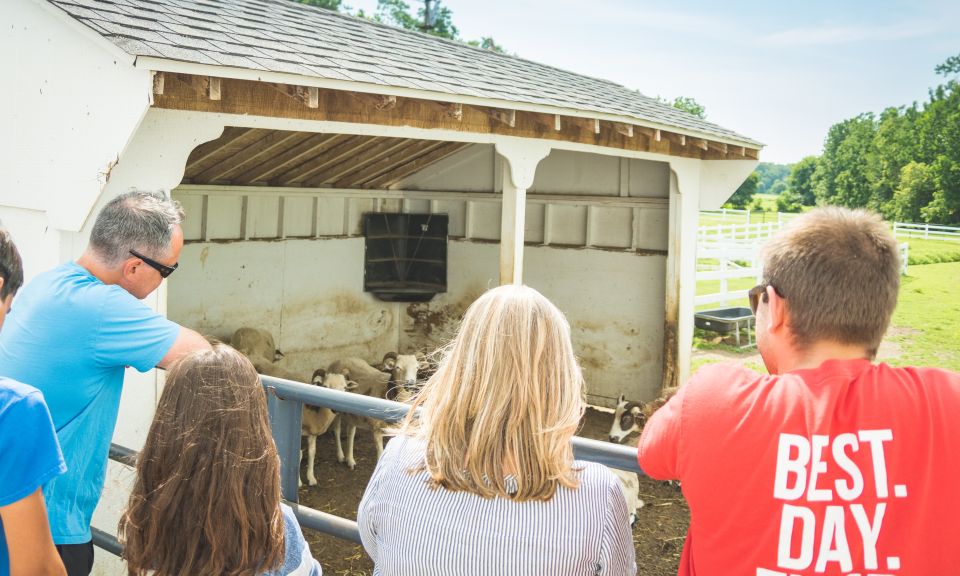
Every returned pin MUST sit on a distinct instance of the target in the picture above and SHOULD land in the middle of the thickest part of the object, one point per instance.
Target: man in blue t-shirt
(73, 332)
(25, 544)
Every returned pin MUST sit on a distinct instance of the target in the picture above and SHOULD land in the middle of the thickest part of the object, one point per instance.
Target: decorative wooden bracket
(625, 129)
(453, 110)
(508, 117)
(382, 102)
(556, 122)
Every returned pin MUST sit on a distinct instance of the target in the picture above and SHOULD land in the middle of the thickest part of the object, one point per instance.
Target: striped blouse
(409, 529)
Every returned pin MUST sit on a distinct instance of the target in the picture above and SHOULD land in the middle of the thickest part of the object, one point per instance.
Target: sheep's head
(336, 381)
(628, 418)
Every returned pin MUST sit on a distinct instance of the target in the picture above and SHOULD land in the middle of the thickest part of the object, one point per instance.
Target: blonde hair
(506, 399)
(839, 273)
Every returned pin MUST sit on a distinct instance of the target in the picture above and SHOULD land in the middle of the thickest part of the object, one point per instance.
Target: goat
(316, 420)
(631, 417)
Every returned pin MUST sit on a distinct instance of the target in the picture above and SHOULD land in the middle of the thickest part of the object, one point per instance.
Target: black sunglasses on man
(163, 269)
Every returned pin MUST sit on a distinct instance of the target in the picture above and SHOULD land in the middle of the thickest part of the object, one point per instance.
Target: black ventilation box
(405, 257)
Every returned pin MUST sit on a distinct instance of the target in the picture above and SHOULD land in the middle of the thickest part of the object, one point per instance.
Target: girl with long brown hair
(484, 480)
(207, 495)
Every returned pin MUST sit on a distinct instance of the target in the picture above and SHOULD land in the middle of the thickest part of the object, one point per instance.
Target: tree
(487, 43)
(800, 182)
(949, 66)
(745, 192)
(690, 105)
(335, 5)
(918, 183)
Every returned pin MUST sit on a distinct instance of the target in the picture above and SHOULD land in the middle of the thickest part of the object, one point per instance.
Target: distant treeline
(904, 163)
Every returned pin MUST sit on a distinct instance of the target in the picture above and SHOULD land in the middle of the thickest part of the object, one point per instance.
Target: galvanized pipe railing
(286, 399)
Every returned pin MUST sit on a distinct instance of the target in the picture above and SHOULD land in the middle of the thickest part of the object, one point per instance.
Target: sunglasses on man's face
(757, 292)
(163, 269)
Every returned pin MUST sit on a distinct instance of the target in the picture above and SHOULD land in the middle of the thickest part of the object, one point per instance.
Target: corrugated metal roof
(283, 36)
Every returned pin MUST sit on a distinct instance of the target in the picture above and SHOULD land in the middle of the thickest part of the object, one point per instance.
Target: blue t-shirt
(71, 336)
(29, 453)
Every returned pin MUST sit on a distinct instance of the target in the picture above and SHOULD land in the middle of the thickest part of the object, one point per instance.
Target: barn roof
(283, 36)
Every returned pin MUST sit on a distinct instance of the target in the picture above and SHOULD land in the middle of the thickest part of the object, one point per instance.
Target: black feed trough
(726, 320)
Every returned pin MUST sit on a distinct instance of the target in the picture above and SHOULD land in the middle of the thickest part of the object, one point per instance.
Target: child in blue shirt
(29, 455)
(207, 495)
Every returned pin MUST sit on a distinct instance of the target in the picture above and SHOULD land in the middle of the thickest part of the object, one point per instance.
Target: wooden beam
(353, 164)
(307, 170)
(213, 88)
(383, 165)
(381, 102)
(232, 140)
(508, 117)
(624, 129)
(441, 151)
(453, 110)
(158, 83)
(309, 95)
(250, 155)
(274, 166)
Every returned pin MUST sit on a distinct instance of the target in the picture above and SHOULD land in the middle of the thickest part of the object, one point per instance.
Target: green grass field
(925, 329)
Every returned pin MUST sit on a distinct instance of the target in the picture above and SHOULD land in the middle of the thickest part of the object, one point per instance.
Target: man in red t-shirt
(831, 464)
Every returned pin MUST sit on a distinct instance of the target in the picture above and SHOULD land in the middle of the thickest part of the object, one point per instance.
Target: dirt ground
(657, 535)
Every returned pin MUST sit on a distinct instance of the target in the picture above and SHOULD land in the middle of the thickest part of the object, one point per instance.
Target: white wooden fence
(732, 251)
(926, 231)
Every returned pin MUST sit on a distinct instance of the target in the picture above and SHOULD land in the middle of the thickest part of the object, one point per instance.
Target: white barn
(279, 125)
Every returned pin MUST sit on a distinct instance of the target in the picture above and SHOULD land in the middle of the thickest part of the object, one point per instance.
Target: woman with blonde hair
(207, 495)
(484, 480)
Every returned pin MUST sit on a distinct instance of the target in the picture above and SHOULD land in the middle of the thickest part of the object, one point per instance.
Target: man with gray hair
(73, 332)
(831, 464)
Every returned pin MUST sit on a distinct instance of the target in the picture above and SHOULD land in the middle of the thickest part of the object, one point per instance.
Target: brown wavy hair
(207, 494)
(505, 401)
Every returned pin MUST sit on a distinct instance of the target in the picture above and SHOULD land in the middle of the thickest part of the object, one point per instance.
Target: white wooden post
(523, 157)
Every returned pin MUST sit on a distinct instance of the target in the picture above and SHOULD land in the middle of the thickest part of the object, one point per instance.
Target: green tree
(745, 192)
(487, 43)
(689, 105)
(800, 182)
(918, 183)
(335, 5)
(846, 169)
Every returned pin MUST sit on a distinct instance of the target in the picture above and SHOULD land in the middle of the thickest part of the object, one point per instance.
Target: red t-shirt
(850, 468)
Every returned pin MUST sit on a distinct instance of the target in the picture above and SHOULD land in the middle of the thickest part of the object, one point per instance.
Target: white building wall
(598, 252)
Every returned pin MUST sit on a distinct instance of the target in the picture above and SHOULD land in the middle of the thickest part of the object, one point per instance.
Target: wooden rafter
(331, 157)
(386, 163)
(356, 161)
(441, 151)
(249, 156)
(209, 153)
(313, 146)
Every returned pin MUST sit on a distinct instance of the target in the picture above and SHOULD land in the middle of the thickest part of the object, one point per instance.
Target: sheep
(630, 486)
(404, 370)
(256, 342)
(372, 382)
(630, 417)
(317, 420)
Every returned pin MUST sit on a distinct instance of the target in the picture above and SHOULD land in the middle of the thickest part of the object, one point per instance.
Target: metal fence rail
(286, 399)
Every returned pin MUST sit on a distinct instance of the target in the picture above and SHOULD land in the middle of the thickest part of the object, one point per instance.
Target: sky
(778, 72)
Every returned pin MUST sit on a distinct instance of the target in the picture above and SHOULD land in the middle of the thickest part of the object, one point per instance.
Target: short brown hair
(207, 495)
(839, 272)
(11, 266)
